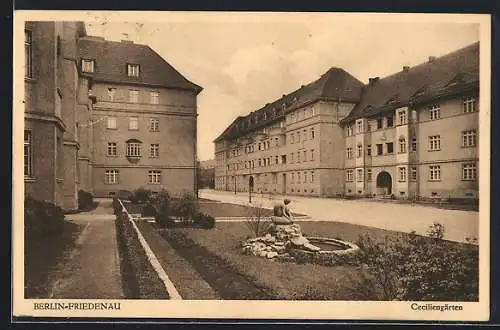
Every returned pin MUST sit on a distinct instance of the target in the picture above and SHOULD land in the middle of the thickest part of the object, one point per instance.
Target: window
(154, 125)
(305, 156)
(298, 177)
(379, 123)
(112, 149)
(402, 145)
(369, 174)
(154, 177)
(402, 117)
(370, 126)
(133, 123)
(469, 104)
(292, 178)
(154, 97)
(88, 65)
(380, 149)
(434, 173)
(298, 137)
(28, 54)
(360, 151)
(402, 174)
(312, 154)
(154, 150)
(133, 149)
(414, 144)
(283, 159)
(390, 121)
(111, 94)
(349, 153)
(133, 70)
(111, 122)
(298, 156)
(312, 176)
(312, 133)
(276, 159)
(359, 126)
(133, 96)
(348, 175)
(349, 130)
(111, 176)
(359, 175)
(434, 112)
(305, 177)
(369, 150)
(469, 171)
(434, 142)
(469, 138)
(28, 154)
(413, 173)
(390, 147)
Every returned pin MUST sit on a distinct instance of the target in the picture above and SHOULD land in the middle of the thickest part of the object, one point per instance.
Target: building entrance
(384, 183)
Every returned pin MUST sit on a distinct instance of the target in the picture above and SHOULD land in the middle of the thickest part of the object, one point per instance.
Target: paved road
(392, 216)
(91, 270)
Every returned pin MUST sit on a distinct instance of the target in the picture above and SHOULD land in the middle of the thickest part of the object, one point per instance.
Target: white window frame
(133, 123)
(133, 70)
(413, 173)
(349, 152)
(469, 172)
(154, 177)
(154, 97)
(312, 154)
(133, 149)
(28, 153)
(112, 150)
(154, 125)
(402, 117)
(435, 142)
(469, 138)
(154, 150)
(359, 151)
(434, 112)
(359, 126)
(133, 96)
(312, 176)
(402, 145)
(88, 65)
(368, 174)
(359, 175)
(469, 104)
(349, 175)
(402, 174)
(435, 173)
(111, 176)
(111, 122)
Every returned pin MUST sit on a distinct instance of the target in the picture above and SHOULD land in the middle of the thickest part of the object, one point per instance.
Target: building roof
(111, 59)
(450, 74)
(335, 84)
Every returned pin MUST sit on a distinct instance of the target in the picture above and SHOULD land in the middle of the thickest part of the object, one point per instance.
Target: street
(390, 216)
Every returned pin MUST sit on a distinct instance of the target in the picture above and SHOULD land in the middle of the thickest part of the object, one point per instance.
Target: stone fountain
(284, 242)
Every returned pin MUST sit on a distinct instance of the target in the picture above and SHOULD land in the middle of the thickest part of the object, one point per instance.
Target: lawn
(42, 255)
(216, 255)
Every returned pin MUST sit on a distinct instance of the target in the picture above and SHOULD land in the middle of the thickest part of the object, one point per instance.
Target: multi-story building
(293, 145)
(54, 100)
(413, 133)
(143, 122)
(103, 116)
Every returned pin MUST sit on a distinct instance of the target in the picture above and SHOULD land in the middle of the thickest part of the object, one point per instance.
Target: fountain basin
(333, 252)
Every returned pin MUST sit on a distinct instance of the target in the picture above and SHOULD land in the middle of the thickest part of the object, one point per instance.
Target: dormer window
(88, 66)
(133, 70)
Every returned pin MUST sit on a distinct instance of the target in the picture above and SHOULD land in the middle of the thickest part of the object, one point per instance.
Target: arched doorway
(250, 183)
(384, 183)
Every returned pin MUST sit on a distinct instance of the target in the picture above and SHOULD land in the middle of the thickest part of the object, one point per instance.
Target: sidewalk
(91, 270)
(390, 216)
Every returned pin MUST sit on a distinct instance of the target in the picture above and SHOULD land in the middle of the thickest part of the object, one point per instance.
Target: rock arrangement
(286, 243)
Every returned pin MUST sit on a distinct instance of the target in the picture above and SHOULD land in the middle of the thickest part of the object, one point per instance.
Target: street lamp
(250, 183)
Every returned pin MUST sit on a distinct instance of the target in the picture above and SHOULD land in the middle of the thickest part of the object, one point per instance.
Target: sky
(245, 60)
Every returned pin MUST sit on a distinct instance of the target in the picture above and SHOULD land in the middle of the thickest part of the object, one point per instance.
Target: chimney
(432, 59)
(406, 68)
(372, 81)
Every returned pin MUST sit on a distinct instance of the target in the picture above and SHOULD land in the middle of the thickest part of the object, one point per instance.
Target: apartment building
(293, 145)
(55, 98)
(103, 116)
(413, 133)
(143, 122)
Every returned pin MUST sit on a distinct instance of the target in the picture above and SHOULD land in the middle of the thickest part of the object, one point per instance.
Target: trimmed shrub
(205, 221)
(85, 201)
(148, 210)
(41, 218)
(117, 208)
(140, 195)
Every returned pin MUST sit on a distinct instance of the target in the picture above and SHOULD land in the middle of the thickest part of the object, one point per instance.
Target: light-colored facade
(410, 135)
